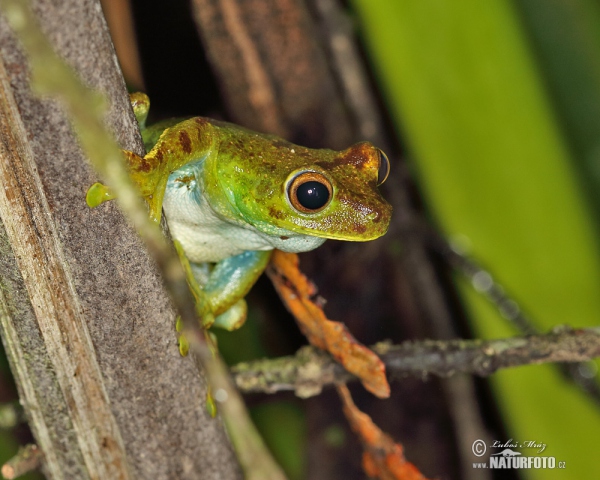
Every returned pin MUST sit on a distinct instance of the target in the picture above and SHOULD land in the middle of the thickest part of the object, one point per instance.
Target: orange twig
(382, 458)
(296, 291)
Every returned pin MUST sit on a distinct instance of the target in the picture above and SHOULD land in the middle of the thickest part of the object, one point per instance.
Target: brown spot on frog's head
(363, 156)
(185, 142)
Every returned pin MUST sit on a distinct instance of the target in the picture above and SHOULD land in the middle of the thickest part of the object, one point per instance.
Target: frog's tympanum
(231, 196)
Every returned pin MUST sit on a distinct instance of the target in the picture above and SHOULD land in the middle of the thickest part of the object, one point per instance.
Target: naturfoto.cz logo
(509, 458)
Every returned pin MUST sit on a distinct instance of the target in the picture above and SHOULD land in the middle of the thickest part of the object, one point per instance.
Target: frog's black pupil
(312, 195)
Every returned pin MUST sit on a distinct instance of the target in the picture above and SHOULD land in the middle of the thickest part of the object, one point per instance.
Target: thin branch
(27, 459)
(310, 369)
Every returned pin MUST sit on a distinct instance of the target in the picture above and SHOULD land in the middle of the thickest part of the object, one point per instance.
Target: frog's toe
(98, 194)
(141, 105)
(184, 345)
(233, 318)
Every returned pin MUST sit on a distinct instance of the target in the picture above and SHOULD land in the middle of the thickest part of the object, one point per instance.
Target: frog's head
(278, 188)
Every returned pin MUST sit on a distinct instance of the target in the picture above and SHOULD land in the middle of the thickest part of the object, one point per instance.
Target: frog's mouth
(298, 228)
(348, 218)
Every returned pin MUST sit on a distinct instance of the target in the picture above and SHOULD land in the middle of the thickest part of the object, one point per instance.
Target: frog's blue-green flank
(231, 196)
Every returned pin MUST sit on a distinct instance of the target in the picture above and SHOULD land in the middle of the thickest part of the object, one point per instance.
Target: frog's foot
(97, 194)
(230, 320)
(184, 344)
(233, 318)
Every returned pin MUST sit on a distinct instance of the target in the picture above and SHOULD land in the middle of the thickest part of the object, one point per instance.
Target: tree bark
(86, 322)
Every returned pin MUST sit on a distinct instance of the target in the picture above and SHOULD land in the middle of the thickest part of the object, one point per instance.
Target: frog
(231, 196)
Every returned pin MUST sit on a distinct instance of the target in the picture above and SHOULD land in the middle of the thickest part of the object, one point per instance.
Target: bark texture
(85, 319)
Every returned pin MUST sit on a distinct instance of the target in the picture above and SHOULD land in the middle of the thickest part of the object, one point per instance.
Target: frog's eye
(309, 192)
(384, 168)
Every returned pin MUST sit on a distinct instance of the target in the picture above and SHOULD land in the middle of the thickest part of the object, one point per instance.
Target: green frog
(231, 196)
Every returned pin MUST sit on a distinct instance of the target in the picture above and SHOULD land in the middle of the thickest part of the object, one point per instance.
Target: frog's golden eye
(384, 168)
(309, 192)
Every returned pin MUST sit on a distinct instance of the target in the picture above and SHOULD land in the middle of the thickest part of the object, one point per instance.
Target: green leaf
(496, 167)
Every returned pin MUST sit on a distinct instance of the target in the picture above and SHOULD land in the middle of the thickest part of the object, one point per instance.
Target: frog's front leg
(146, 175)
(219, 291)
(188, 141)
(229, 282)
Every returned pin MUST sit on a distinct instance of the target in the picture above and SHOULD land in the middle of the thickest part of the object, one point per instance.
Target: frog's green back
(151, 134)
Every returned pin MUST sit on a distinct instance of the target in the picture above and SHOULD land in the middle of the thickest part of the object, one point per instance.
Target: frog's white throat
(208, 237)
